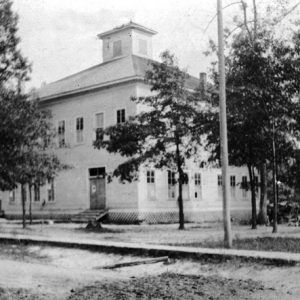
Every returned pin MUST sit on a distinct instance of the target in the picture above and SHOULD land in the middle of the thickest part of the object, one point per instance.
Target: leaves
(168, 120)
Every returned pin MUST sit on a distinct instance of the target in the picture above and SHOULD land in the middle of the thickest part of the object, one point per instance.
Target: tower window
(143, 47)
(117, 48)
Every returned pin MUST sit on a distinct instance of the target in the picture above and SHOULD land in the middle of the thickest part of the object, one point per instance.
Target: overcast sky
(59, 36)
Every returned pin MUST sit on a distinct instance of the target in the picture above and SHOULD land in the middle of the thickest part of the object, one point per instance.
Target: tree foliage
(262, 101)
(25, 131)
(164, 134)
(14, 67)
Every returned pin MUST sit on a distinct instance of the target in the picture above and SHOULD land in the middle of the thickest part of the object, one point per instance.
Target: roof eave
(91, 88)
(130, 26)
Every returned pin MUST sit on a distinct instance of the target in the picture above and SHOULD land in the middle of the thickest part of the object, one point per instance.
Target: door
(97, 191)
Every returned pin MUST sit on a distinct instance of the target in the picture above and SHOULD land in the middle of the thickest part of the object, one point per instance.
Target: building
(99, 97)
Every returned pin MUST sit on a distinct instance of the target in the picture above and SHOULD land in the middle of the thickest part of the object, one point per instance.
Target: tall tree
(14, 68)
(164, 135)
(263, 102)
(25, 130)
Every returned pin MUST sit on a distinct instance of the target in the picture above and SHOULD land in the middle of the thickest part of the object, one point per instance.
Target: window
(171, 178)
(197, 179)
(120, 116)
(117, 48)
(244, 182)
(219, 180)
(143, 46)
(12, 196)
(79, 130)
(99, 124)
(232, 181)
(100, 120)
(97, 172)
(61, 134)
(37, 193)
(185, 179)
(50, 190)
(150, 177)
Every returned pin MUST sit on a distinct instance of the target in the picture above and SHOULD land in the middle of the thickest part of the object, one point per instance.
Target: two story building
(99, 97)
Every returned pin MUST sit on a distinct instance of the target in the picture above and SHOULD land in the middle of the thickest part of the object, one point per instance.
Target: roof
(115, 71)
(130, 25)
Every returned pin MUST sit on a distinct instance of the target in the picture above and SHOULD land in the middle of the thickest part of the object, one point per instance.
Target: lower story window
(37, 193)
(50, 190)
(12, 196)
(219, 180)
(150, 177)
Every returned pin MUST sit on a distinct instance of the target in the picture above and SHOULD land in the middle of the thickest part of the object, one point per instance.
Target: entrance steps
(89, 215)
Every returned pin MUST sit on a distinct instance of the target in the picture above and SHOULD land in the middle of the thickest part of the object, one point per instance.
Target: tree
(263, 103)
(25, 130)
(164, 135)
(14, 68)
(26, 135)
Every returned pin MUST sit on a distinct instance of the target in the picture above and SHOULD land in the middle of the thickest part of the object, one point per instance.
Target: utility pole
(275, 186)
(223, 130)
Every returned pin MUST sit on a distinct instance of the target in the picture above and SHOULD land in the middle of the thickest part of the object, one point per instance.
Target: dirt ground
(39, 273)
(153, 234)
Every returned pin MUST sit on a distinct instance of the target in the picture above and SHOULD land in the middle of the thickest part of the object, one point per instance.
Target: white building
(99, 97)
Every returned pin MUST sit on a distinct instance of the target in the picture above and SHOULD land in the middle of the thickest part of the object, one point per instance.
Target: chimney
(203, 77)
(203, 85)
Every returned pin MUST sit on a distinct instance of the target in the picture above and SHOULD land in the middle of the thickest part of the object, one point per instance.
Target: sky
(59, 37)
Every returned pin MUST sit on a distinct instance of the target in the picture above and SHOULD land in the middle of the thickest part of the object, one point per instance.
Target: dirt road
(34, 272)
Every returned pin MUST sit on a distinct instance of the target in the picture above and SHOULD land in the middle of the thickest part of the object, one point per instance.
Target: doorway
(97, 188)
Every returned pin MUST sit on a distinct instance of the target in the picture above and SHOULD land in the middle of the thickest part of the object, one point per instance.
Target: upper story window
(61, 133)
(79, 130)
(197, 179)
(117, 48)
(143, 47)
(99, 120)
(150, 177)
(120, 116)
(244, 182)
(232, 181)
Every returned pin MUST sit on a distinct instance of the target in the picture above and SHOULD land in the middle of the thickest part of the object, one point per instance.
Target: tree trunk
(262, 215)
(253, 196)
(275, 200)
(180, 179)
(23, 195)
(180, 201)
(30, 203)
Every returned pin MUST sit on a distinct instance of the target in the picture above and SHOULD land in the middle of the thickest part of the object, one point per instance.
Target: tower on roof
(130, 38)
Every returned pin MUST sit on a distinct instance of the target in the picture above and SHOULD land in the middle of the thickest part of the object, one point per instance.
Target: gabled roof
(115, 71)
(130, 25)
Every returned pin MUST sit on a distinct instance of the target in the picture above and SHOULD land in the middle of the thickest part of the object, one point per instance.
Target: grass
(260, 243)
